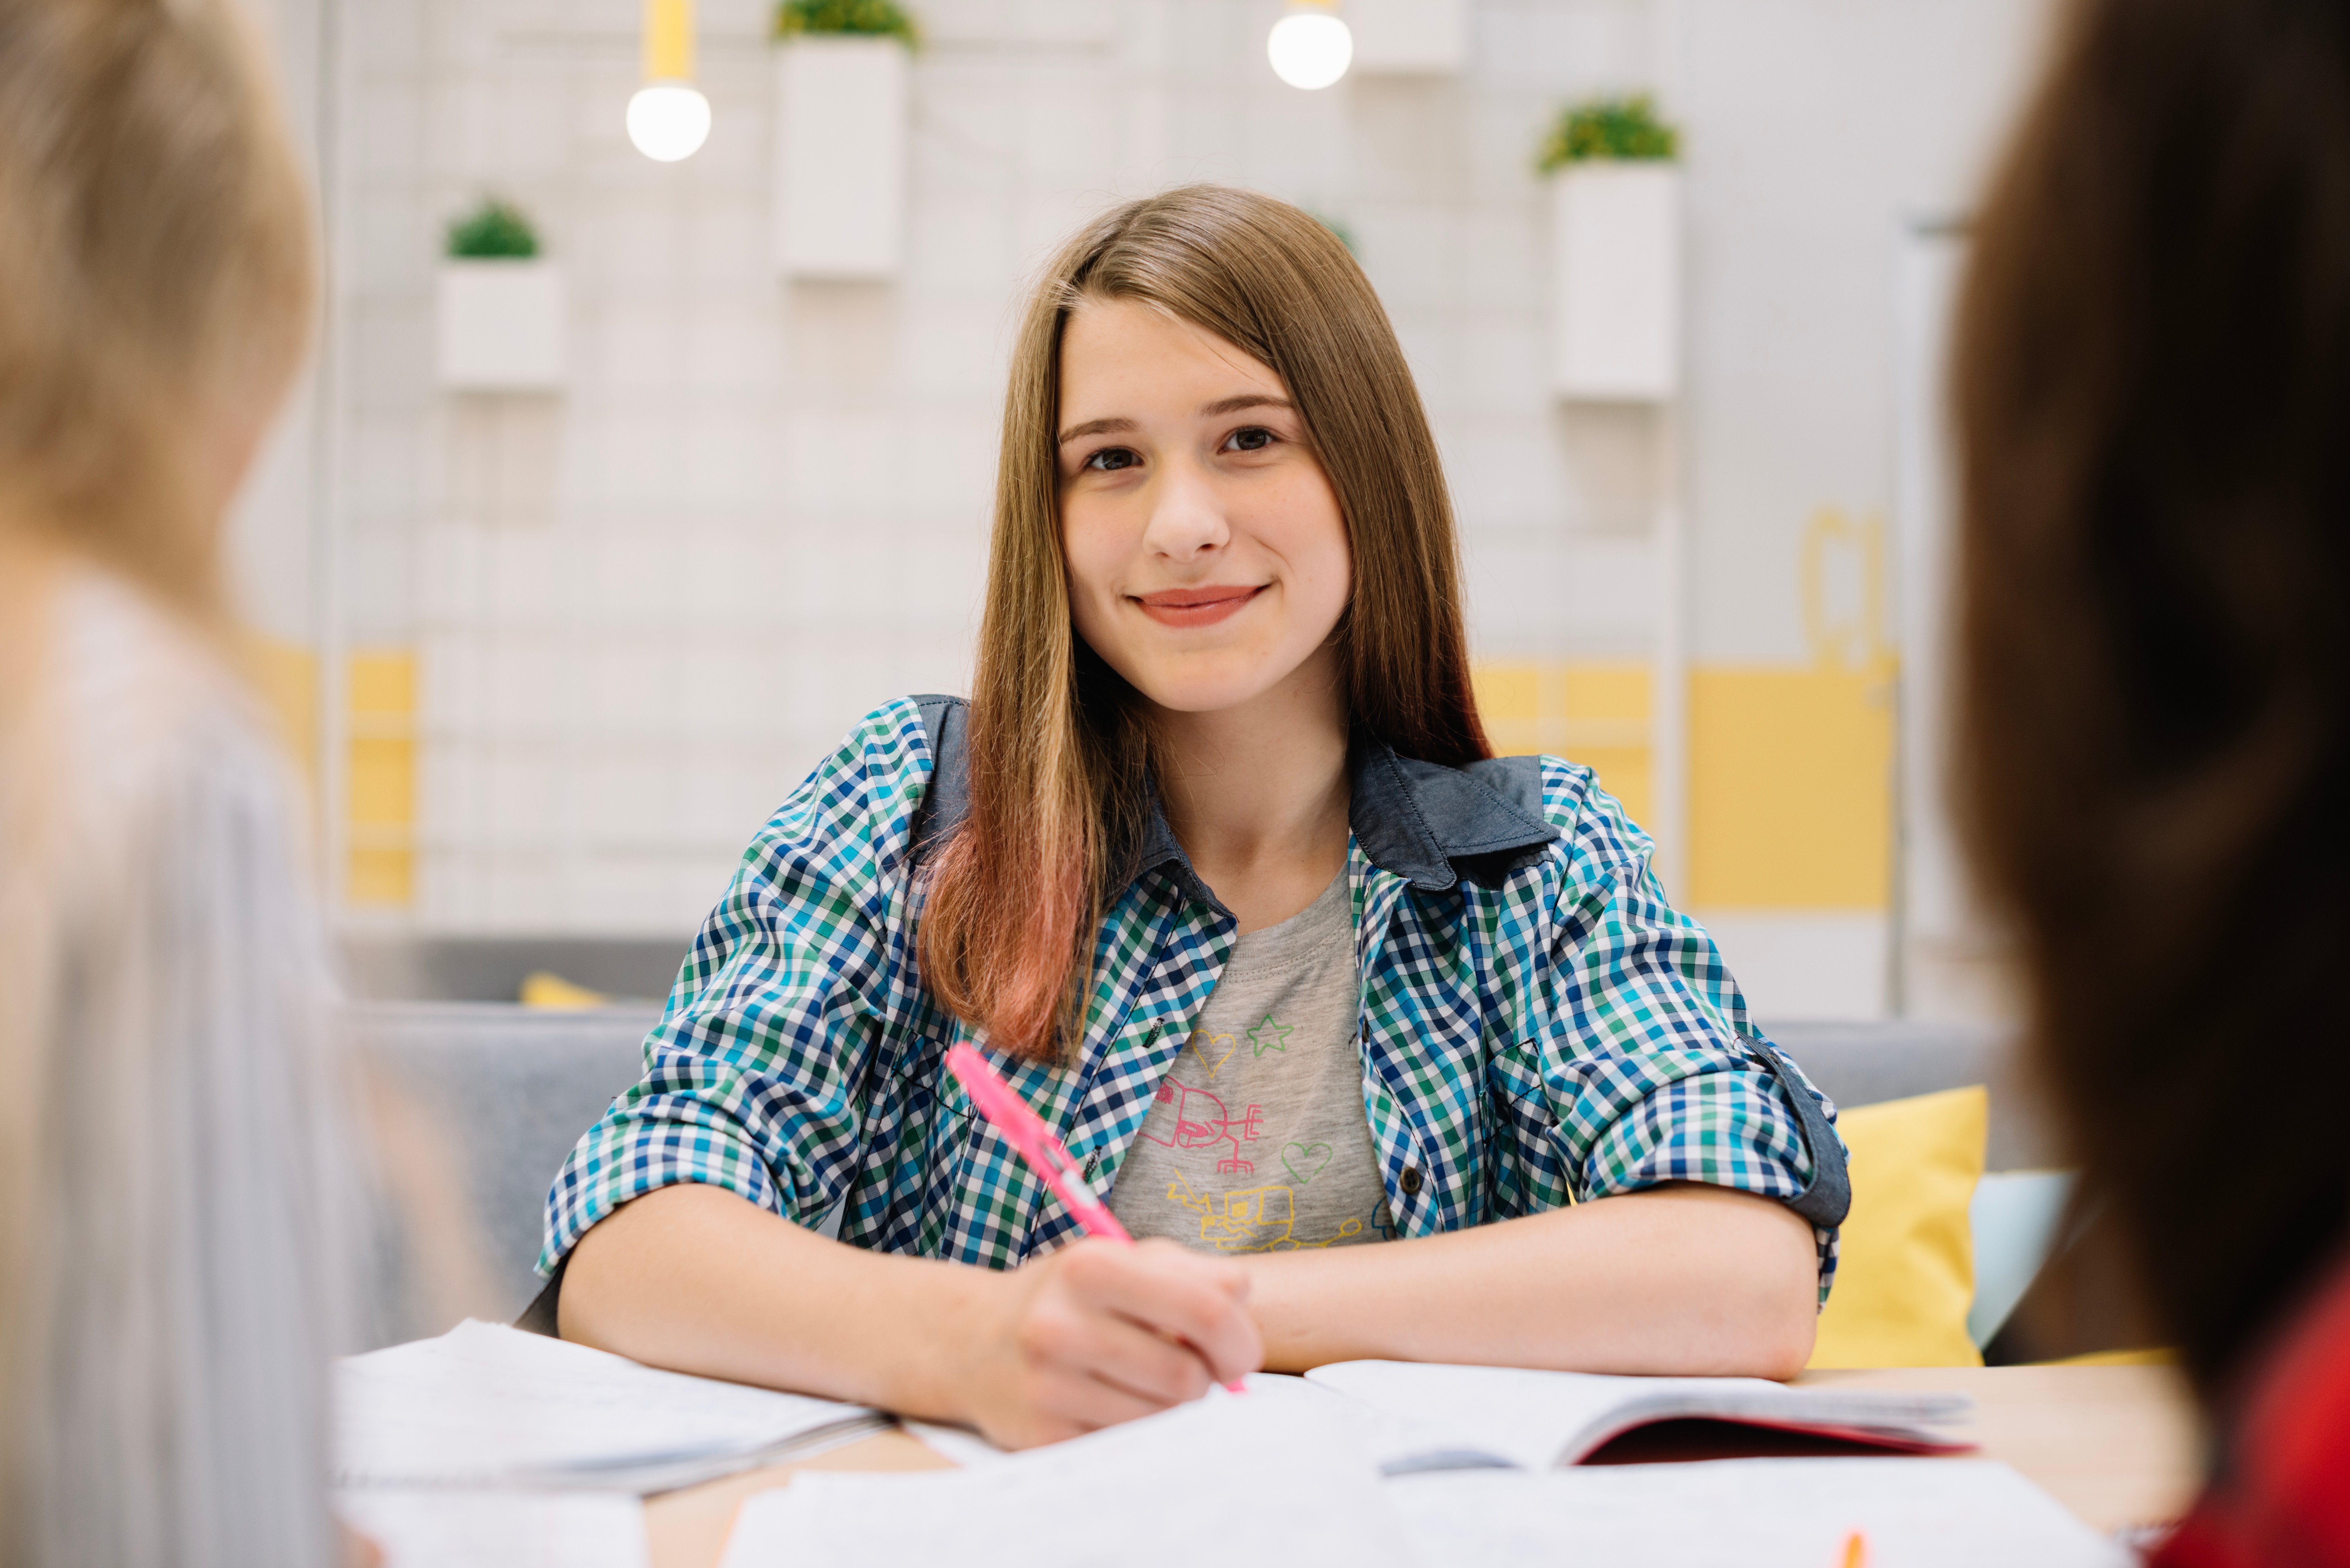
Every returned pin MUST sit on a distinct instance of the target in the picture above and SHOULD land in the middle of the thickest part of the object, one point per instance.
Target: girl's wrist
(959, 1320)
(1274, 1284)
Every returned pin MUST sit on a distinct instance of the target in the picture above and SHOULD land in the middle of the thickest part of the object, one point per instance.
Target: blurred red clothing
(2281, 1498)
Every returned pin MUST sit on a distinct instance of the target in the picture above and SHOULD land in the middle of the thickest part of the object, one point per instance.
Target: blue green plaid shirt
(1538, 1025)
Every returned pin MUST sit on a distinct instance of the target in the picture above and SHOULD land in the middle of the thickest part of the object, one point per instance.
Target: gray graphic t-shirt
(1258, 1141)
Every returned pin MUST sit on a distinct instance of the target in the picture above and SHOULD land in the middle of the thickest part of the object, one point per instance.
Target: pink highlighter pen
(1001, 1103)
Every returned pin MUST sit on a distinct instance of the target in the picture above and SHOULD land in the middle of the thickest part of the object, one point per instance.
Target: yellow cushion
(1906, 1274)
(540, 989)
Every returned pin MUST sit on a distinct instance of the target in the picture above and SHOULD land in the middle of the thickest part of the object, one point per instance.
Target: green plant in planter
(1622, 127)
(494, 230)
(873, 18)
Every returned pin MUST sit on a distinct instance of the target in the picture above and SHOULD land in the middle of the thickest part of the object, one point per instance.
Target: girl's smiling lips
(1202, 605)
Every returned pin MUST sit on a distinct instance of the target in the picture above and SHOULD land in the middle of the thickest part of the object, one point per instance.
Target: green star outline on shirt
(1255, 1036)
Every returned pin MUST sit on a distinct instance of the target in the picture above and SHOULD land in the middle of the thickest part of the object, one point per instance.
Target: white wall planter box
(1408, 37)
(840, 157)
(502, 327)
(1616, 281)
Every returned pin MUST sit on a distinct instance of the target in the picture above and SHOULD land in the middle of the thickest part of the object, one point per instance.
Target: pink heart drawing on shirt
(1303, 1161)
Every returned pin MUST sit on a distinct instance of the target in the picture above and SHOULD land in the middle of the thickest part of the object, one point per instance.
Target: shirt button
(1411, 1181)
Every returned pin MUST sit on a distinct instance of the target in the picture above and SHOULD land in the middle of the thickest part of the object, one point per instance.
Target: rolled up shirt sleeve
(753, 1076)
(1643, 1063)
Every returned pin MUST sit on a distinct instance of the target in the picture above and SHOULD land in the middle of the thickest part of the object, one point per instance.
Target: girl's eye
(1112, 458)
(1255, 438)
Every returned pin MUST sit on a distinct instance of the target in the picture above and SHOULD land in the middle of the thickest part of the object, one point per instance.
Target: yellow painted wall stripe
(380, 784)
(380, 789)
(1791, 796)
(1791, 790)
(1592, 713)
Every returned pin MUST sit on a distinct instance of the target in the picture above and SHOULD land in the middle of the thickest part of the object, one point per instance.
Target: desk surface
(2117, 1445)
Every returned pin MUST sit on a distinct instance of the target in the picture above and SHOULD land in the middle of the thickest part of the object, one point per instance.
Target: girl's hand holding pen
(1099, 1333)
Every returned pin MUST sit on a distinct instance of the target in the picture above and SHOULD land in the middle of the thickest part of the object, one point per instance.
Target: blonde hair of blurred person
(165, 1302)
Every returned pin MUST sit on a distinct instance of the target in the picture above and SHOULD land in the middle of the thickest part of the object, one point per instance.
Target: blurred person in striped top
(167, 1294)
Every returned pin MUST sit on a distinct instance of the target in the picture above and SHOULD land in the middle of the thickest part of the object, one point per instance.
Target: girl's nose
(1187, 515)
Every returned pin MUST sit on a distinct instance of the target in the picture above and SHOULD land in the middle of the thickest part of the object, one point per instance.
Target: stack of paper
(485, 1405)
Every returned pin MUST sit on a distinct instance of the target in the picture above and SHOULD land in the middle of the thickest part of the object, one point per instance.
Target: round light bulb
(1310, 49)
(668, 120)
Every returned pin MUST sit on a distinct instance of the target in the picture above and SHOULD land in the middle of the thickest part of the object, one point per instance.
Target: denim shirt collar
(1432, 825)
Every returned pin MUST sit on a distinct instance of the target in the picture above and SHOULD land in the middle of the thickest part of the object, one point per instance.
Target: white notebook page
(484, 1404)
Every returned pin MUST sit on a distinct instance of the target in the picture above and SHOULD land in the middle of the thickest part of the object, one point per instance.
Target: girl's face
(1208, 560)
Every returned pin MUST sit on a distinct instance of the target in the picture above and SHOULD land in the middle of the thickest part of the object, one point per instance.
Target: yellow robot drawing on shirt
(1254, 1220)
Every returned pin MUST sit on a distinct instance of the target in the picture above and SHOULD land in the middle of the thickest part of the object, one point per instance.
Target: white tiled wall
(646, 606)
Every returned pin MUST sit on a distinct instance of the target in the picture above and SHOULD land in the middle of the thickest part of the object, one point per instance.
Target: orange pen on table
(1001, 1103)
(1856, 1551)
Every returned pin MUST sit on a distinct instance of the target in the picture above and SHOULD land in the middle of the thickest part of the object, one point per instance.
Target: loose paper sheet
(1227, 1479)
(484, 1405)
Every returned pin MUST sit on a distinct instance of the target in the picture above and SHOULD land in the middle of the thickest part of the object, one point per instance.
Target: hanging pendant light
(1310, 46)
(668, 119)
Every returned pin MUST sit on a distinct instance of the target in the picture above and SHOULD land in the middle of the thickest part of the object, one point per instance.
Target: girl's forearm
(696, 1278)
(1681, 1279)
(693, 1278)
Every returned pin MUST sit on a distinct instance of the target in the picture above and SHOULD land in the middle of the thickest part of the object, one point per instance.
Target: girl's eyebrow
(1093, 427)
(1221, 406)
(1245, 400)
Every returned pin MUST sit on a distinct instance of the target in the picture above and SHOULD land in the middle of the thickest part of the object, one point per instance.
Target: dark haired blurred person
(2153, 396)
(167, 1295)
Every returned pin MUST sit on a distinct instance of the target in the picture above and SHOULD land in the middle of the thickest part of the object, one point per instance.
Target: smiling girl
(1217, 866)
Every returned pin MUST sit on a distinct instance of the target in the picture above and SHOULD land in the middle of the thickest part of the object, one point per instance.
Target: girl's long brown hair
(1059, 754)
(2152, 393)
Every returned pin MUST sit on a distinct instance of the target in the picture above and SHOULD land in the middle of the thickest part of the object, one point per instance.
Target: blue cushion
(2014, 1215)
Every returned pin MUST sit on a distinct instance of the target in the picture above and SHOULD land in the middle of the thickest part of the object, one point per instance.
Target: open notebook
(1464, 1418)
(1410, 1417)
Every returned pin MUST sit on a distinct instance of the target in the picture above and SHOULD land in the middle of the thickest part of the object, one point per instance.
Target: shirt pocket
(1513, 1080)
(915, 1158)
(1531, 1171)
